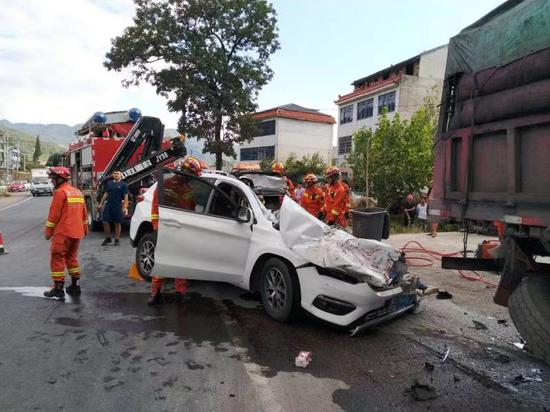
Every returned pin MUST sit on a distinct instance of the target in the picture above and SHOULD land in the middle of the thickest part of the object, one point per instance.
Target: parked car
(17, 186)
(228, 235)
(41, 186)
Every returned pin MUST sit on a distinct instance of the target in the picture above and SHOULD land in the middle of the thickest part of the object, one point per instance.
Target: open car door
(201, 235)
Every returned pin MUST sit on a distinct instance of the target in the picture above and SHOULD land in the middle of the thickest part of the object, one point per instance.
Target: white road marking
(31, 291)
(16, 203)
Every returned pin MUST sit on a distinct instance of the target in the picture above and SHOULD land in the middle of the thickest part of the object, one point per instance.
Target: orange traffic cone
(133, 273)
(2, 251)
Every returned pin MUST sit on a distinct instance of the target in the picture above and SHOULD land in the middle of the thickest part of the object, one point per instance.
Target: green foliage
(28, 142)
(399, 153)
(56, 159)
(209, 58)
(37, 150)
(359, 159)
(296, 168)
(266, 164)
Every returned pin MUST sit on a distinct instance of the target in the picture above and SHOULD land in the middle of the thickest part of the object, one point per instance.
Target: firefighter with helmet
(178, 193)
(336, 198)
(279, 168)
(313, 197)
(67, 223)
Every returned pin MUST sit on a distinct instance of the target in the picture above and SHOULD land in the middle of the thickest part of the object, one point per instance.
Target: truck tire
(530, 310)
(93, 226)
(279, 290)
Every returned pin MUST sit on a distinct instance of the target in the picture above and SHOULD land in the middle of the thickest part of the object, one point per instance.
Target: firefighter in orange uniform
(279, 168)
(178, 193)
(336, 198)
(67, 224)
(313, 197)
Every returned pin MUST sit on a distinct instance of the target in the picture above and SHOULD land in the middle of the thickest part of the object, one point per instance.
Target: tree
(266, 164)
(209, 58)
(399, 153)
(359, 158)
(296, 168)
(37, 150)
(55, 159)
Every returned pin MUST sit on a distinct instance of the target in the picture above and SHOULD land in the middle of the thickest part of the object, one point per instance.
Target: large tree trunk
(218, 143)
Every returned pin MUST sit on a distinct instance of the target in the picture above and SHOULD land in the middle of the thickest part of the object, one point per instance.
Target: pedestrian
(279, 168)
(348, 204)
(422, 213)
(409, 209)
(336, 198)
(67, 224)
(299, 191)
(114, 205)
(434, 222)
(313, 197)
(178, 193)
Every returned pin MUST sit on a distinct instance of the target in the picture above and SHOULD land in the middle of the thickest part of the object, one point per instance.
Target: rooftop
(295, 112)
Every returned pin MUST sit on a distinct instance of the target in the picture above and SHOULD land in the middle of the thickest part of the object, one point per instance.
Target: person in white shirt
(422, 213)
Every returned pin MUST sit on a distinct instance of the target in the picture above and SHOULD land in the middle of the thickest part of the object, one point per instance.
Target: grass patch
(396, 226)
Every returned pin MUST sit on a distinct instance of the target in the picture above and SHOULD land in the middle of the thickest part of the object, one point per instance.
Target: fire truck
(122, 140)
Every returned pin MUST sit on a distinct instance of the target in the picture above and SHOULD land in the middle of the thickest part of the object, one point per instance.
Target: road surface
(108, 350)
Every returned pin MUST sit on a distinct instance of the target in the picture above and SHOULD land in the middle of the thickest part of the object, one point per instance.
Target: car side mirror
(244, 214)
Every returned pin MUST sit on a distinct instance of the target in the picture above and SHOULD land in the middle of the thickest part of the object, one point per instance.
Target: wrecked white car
(224, 233)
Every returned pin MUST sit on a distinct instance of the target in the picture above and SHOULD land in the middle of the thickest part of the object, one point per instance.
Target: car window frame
(208, 205)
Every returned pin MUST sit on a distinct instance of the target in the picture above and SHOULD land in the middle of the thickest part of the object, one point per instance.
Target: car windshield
(41, 181)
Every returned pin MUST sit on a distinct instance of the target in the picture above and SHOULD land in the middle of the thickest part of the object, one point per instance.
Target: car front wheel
(279, 290)
(145, 255)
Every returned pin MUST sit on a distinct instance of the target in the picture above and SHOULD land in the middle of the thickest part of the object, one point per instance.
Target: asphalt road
(109, 351)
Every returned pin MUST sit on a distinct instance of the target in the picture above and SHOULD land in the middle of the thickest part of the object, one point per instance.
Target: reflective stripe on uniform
(74, 270)
(75, 199)
(334, 212)
(154, 217)
(58, 274)
(50, 224)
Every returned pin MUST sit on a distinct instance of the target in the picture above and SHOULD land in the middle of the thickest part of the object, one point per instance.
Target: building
(289, 129)
(400, 88)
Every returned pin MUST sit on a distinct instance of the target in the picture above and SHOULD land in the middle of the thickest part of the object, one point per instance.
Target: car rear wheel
(145, 255)
(530, 310)
(279, 290)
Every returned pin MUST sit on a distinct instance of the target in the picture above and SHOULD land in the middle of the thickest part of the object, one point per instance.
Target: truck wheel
(93, 226)
(145, 255)
(279, 290)
(530, 310)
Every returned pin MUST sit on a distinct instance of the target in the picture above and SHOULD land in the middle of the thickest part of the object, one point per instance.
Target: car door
(199, 236)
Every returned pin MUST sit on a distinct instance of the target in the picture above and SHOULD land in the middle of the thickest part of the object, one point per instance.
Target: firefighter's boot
(56, 292)
(154, 299)
(182, 297)
(74, 288)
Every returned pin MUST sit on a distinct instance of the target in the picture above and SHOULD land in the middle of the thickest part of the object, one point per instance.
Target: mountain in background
(26, 142)
(56, 138)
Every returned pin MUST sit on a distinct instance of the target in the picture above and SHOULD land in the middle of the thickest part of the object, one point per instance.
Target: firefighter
(178, 193)
(67, 224)
(313, 197)
(336, 198)
(279, 168)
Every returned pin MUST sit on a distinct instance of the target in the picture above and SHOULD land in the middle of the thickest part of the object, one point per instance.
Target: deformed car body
(228, 235)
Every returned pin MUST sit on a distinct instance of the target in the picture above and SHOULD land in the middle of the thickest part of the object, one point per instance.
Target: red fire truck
(118, 141)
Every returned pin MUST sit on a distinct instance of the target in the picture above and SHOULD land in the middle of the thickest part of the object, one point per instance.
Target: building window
(364, 109)
(344, 145)
(386, 100)
(265, 128)
(346, 114)
(258, 153)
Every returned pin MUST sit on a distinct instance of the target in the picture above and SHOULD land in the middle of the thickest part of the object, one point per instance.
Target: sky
(52, 52)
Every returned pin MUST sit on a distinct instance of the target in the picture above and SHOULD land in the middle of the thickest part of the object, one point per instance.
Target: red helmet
(60, 171)
(332, 171)
(278, 167)
(190, 164)
(310, 178)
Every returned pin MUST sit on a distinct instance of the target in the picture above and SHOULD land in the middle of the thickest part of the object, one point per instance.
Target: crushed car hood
(367, 260)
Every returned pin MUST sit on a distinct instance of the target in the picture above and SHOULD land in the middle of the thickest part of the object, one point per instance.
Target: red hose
(434, 256)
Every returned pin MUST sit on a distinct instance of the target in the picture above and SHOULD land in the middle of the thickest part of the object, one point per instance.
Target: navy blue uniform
(112, 212)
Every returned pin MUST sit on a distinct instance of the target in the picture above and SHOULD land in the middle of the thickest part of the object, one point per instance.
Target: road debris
(422, 392)
(303, 359)
(519, 379)
(443, 294)
(429, 366)
(479, 325)
(502, 322)
(446, 355)
(519, 345)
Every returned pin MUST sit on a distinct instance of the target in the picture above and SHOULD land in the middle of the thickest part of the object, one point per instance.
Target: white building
(290, 129)
(401, 88)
